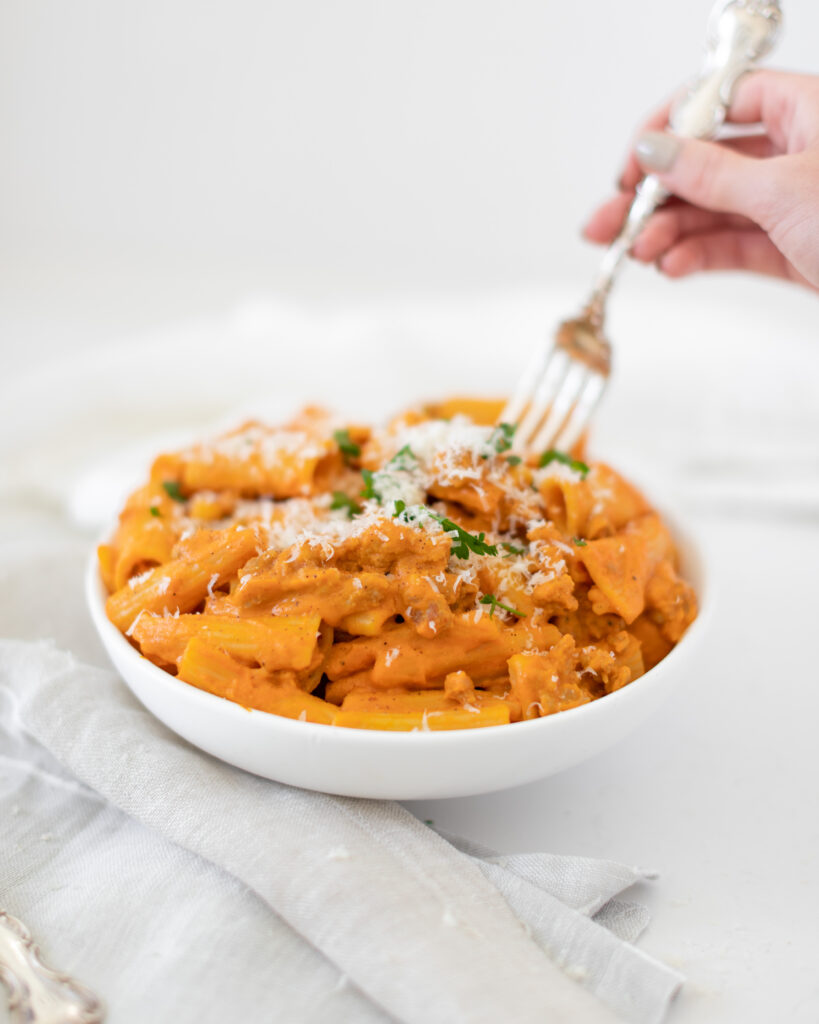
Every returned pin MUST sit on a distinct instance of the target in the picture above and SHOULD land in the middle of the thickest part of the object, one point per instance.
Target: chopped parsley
(494, 603)
(154, 511)
(369, 490)
(342, 500)
(514, 460)
(500, 440)
(411, 514)
(464, 542)
(348, 448)
(552, 455)
(404, 459)
(579, 542)
(512, 549)
(171, 488)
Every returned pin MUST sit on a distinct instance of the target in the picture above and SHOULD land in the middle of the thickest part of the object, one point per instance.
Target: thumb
(708, 175)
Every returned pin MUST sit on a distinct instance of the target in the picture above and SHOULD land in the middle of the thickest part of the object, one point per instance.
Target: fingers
(675, 220)
(632, 172)
(723, 192)
(753, 92)
(728, 249)
(773, 98)
(608, 218)
(669, 227)
(606, 221)
(685, 240)
(761, 97)
(713, 176)
(758, 146)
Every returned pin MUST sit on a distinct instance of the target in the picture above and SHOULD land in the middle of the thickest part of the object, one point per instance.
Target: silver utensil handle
(37, 994)
(739, 33)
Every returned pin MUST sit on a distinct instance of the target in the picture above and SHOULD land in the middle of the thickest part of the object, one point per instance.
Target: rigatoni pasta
(418, 576)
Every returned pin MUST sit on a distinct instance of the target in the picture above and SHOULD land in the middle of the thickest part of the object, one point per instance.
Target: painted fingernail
(657, 151)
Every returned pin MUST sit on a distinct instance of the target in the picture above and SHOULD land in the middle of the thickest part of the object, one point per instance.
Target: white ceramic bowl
(394, 765)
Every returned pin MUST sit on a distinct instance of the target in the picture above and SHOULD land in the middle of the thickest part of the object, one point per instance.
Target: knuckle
(704, 173)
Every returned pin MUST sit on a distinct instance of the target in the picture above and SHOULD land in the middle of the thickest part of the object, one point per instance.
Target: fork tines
(559, 390)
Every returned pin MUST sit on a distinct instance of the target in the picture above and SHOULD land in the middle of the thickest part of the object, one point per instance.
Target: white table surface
(717, 792)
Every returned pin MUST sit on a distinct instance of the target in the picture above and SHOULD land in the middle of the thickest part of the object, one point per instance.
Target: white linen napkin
(166, 879)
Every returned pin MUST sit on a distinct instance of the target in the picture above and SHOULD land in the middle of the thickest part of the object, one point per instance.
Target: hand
(744, 204)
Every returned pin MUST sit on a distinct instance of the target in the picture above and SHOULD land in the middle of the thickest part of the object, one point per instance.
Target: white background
(165, 161)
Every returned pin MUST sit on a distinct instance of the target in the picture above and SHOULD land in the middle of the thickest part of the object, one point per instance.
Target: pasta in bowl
(345, 584)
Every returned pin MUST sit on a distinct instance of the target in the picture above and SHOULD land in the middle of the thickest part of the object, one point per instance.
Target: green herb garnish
(579, 542)
(411, 514)
(369, 491)
(512, 549)
(465, 541)
(514, 460)
(348, 448)
(402, 457)
(342, 500)
(154, 511)
(500, 440)
(552, 455)
(494, 603)
(171, 488)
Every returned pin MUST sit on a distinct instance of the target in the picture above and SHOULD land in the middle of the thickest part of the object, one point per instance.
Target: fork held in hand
(555, 398)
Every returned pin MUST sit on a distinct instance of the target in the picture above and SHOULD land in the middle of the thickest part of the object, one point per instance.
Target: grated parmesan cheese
(130, 630)
(135, 581)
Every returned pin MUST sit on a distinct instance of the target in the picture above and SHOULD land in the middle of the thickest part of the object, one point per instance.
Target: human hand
(743, 204)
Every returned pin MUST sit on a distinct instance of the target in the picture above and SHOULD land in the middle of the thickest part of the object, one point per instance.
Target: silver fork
(37, 994)
(558, 392)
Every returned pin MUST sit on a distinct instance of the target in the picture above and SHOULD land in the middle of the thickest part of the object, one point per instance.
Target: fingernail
(657, 151)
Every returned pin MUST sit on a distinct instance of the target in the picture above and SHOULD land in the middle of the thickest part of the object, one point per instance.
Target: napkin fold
(127, 847)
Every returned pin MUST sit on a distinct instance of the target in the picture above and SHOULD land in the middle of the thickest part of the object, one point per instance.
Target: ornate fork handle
(37, 994)
(739, 33)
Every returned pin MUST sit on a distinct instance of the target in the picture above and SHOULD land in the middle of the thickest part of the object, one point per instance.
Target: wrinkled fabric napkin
(167, 880)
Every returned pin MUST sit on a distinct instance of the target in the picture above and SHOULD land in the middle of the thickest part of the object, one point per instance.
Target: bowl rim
(692, 550)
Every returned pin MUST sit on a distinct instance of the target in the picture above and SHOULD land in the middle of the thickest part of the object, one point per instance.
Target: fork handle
(650, 195)
(739, 33)
(36, 993)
